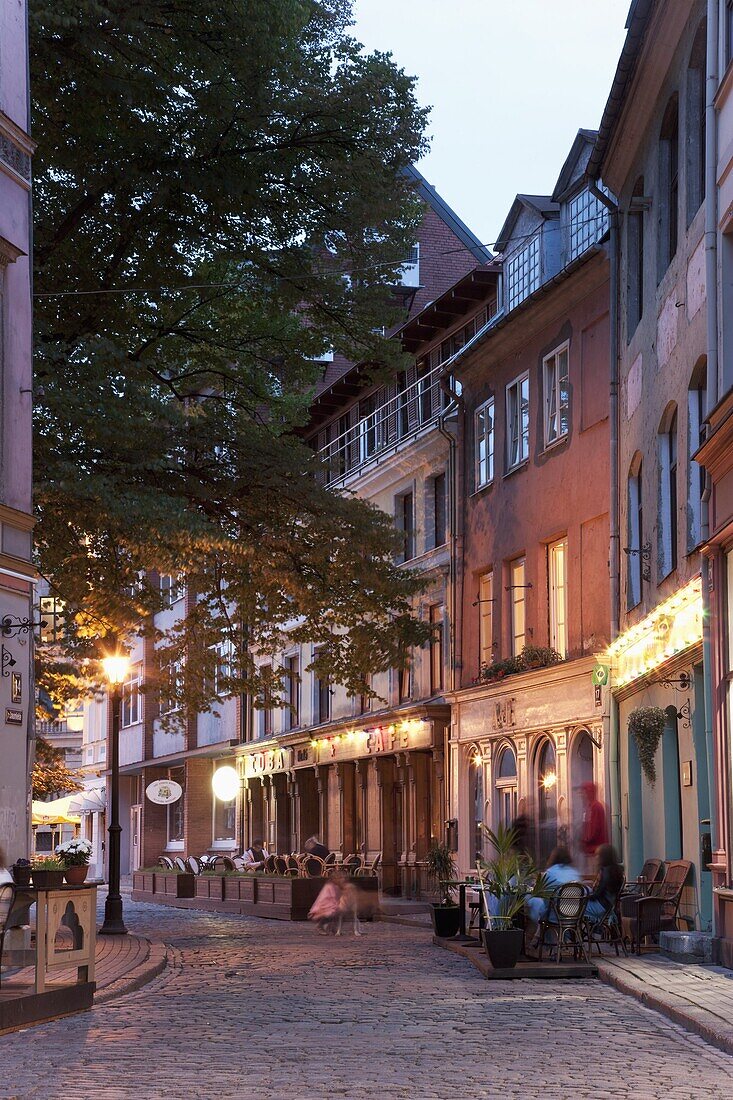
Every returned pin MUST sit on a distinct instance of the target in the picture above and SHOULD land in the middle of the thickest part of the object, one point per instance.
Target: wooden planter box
(239, 888)
(175, 886)
(143, 882)
(210, 886)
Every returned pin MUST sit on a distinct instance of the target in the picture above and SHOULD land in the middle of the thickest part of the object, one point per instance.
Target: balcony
(384, 427)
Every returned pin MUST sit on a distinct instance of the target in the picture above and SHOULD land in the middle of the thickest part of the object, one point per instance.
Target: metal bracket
(7, 660)
(11, 624)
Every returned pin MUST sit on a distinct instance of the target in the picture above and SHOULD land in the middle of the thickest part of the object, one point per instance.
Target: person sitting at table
(608, 884)
(255, 857)
(560, 869)
(314, 847)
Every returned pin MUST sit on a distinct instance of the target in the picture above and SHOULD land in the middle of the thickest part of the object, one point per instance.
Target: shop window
(486, 618)
(477, 801)
(667, 465)
(224, 832)
(696, 398)
(175, 812)
(668, 189)
(517, 421)
(436, 650)
(557, 565)
(557, 395)
(506, 788)
(635, 222)
(291, 686)
(695, 123)
(547, 800)
(484, 444)
(517, 593)
(634, 534)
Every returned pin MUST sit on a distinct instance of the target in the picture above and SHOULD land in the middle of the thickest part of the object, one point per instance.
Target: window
(461, 336)
(517, 420)
(224, 830)
(405, 514)
(291, 684)
(517, 590)
(696, 437)
(523, 273)
(695, 119)
(557, 562)
(130, 705)
(669, 175)
(368, 428)
(588, 221)
(264, 711)
(171, 685)
(667, 528)
(506, 788)
(635, 259)
(728, 31)
(436, 649)
(175, 813)
(321, 696)
(404, 684)
(635, 535)
(484, 444)
(51, 615)
(557, 395)
(223, 667)
(171, 587)
(439, 509)
(486, 618)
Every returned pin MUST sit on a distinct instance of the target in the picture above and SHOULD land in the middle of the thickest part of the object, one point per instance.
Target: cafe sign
(673, 627)
(401, 736)
(163, 792)
(267, 762)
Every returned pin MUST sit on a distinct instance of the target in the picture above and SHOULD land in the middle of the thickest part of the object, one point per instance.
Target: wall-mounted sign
(504, 714)
(13, 717)
(673, 627)
(686, 773)
(163, 792)
(411, 733)
(267, 762)
(16, 687)
(599, 675)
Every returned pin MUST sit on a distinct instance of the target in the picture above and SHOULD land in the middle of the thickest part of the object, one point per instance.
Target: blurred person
(560, 870)
(326, 910)
(314, 847)
(255, 857)
(594, 828)
(608, 884)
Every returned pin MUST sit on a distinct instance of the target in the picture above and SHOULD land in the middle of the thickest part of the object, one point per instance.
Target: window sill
(175, 846)
(556, 443)
(515, 469)
(482, 488)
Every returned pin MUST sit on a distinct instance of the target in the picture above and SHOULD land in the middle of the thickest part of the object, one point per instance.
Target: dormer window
(587, 222)
(523, 273)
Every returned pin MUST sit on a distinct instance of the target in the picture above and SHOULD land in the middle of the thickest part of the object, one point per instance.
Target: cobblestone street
(264, 1009)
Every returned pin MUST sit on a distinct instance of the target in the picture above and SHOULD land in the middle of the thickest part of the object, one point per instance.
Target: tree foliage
(50, 774)
(220, 198)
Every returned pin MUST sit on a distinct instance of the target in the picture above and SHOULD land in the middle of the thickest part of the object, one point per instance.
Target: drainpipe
(711, 400)
(454, 405)
(613, 516)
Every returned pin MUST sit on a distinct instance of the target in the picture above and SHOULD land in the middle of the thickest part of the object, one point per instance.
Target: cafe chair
(179, 864)
(564, 919)
(370, 870)
(194, 865)
(606, 928)
(166, 863)
(652, 873)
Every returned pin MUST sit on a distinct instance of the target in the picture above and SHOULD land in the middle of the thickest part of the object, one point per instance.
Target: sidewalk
(699, 998)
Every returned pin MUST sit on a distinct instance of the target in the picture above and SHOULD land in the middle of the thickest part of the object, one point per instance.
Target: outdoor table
(73, 906)
(462, 886)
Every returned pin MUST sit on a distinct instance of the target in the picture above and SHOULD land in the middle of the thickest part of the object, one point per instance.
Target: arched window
(505, 782)
(667, 526)
(634, 533)
(635, 259)
(547, 799)
(476, 796)
(695, 123)
(668, 186)
(696, 397)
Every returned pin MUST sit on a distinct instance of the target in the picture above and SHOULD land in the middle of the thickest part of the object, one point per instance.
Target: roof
(448, 215)
(541, 204)
(467, 293)
(568, 172)
(636, 25)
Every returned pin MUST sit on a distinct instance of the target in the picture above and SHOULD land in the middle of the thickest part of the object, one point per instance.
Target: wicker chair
(270, 866)
(352, 864)
(606, 928)
(281, 865)
(643, 918)
(7, 896)
(194, 866)
(651, 875)
(179, 864)
(166, 863)
(313, 866)
(370, 870)
(565, 919)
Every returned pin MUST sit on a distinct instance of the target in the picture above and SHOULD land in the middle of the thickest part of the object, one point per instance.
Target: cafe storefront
(372, 786)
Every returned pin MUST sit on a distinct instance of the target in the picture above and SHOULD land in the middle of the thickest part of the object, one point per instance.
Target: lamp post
(115, 669)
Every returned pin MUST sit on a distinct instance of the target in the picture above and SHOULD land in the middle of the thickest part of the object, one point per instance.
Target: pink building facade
(16, 406)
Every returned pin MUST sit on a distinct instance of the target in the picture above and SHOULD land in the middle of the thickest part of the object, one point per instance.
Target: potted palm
(441, 868)
(505, 882)
(75, 855)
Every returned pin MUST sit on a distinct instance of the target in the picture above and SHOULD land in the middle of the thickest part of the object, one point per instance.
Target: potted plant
(48, 873)
(441, 868)
(75, 855)
(21, 872)
(507, 879)
(646, 726)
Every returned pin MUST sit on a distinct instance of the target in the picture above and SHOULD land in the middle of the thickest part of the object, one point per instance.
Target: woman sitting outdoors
(608, 884)
(560, 870)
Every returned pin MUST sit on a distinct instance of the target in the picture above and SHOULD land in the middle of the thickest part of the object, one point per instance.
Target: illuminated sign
(411, 733)
(267, 762)
(673, 627)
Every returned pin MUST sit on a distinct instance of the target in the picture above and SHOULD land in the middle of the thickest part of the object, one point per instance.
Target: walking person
(594, 829)
(326, 908)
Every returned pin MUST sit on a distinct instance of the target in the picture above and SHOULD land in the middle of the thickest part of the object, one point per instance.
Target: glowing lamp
(116, 667)
(549, 781)
(225, 783)
(314, 744)
(478, 759)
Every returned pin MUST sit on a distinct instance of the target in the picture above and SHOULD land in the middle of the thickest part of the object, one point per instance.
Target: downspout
(711, 400)
(613, 512)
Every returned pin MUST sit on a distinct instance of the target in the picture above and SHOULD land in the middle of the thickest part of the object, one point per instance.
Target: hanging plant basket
(646, 726)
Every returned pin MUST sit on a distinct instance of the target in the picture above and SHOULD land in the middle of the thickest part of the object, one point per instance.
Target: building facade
(16, 523)
(651, 154)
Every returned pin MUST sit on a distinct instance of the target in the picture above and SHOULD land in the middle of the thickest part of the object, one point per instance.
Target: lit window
(436, 649)
(506, 788)
(557, 555)
(517, 592)
(291, 684)
(588, 221)
(523, 273)
(557, 395)
(517, 419)
(51, 628)
(175, 812)
(486, 618)
(130, 706)
(635, 535)
(484, 443)
(225, 815)
(667, 546)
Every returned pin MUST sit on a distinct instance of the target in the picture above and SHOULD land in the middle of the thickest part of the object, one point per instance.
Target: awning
(89, 802)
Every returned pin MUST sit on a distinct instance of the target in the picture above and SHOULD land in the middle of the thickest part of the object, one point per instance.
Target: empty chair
(193, 865)
(165, 862)
(605, 928)
(270, 867)
(212, 861)
(229, 863)
(179, 864)
(281, 865)
(314, 866)
(370, 870)
(352, 864)
(646, 916)
(651, 874)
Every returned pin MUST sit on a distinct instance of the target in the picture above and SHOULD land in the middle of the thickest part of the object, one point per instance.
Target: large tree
(219, 198)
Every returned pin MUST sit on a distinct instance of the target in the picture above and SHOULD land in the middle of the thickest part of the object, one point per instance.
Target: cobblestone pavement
(272, 1011)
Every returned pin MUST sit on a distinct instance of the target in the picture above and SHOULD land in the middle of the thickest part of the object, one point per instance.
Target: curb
(154, 965)
(688, 1016)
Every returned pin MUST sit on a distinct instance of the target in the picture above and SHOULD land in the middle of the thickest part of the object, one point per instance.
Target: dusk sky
(510, 83)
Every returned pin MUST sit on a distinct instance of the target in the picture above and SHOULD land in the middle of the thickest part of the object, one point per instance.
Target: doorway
(135, 846)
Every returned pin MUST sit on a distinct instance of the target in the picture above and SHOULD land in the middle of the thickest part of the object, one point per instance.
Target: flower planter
(503, 946)
(76, 875)
(176, 886)
(446, 920)
(48, 880)
(210, 886)
(21, 876)
(239, 888)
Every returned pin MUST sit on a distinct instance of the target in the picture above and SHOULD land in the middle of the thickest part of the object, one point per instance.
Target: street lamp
(115, 669)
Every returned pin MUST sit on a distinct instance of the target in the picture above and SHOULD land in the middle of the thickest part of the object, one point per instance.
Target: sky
(510, 83)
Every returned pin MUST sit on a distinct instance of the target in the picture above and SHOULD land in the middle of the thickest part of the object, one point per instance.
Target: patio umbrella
(53, 813)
